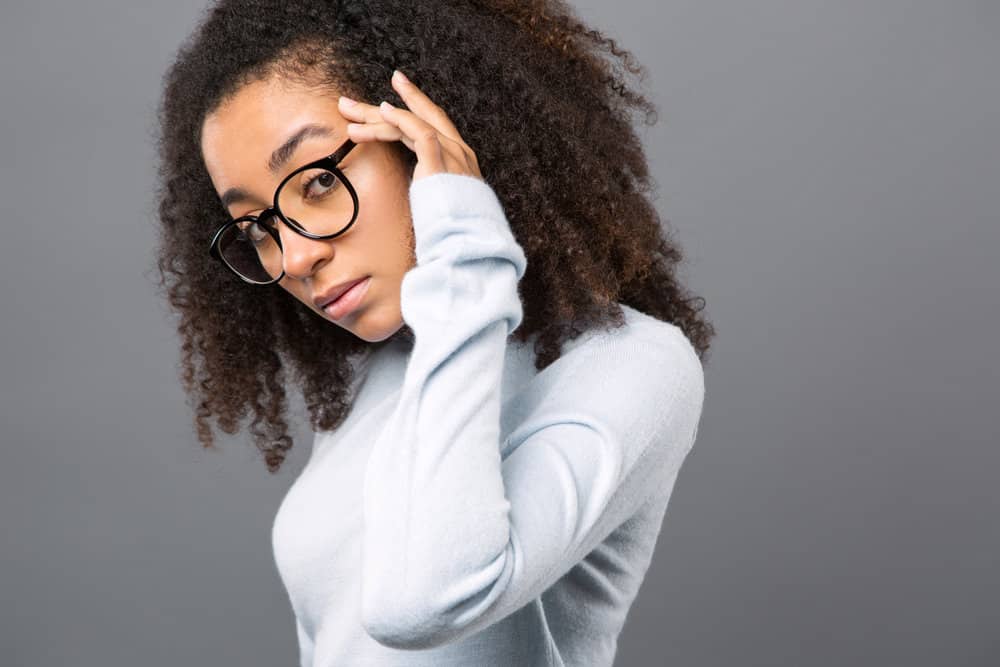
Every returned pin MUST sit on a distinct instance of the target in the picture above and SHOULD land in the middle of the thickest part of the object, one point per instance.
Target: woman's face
(237, 142)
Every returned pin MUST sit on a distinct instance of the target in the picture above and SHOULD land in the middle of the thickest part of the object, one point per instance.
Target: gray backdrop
(831, 169)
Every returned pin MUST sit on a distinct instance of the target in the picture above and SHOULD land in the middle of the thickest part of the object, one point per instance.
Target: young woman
(464, 275)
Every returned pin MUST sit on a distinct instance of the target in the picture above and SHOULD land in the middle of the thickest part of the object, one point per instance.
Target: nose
(302, 256)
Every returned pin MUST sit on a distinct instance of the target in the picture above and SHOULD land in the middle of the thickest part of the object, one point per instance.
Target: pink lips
(348, 301)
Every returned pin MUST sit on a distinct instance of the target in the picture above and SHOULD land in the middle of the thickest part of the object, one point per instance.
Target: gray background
(831, 169)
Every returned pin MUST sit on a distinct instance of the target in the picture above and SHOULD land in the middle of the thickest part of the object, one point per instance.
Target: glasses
(316, 200)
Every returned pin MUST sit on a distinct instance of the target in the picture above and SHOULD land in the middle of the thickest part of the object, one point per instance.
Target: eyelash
(310, 182)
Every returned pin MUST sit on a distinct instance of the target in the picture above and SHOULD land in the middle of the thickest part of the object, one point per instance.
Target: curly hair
(526, 84)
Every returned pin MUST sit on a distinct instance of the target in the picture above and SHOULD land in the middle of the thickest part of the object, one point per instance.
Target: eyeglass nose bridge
(330, 162)
(275, 212)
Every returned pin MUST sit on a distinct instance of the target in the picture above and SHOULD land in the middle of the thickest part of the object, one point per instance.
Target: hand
(424, 128)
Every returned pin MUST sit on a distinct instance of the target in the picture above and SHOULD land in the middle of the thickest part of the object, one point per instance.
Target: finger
(428, 143)
(371, 116)
(358, 111)
(420, 104)
(377, 131)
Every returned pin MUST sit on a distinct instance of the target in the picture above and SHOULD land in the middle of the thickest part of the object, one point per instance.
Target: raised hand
(424, 128)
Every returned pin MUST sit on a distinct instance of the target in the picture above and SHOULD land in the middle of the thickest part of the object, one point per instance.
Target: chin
(369, 327)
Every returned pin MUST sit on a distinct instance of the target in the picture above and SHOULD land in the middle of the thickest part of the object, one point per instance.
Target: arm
(305, 645)
(456, 536)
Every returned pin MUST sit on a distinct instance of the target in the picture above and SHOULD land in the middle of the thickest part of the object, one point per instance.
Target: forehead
(239, 135)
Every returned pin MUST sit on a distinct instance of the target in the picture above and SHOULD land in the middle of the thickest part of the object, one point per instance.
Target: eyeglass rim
(329, 162)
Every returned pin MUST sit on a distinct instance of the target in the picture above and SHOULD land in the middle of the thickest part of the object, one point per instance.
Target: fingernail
(400, 76)
(347, 101)
(386, 105)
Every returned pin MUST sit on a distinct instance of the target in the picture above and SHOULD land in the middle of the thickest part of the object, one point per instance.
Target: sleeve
(461, 529)
(305, 645)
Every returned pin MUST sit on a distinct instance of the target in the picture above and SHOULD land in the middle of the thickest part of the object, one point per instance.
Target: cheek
(387, 232)
(385, 236)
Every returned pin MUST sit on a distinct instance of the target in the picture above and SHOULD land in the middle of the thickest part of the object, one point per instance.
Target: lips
(333, 293)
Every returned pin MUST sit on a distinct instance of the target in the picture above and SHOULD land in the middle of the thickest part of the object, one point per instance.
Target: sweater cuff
(448, 195)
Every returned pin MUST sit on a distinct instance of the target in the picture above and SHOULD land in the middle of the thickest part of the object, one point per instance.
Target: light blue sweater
(472, 511)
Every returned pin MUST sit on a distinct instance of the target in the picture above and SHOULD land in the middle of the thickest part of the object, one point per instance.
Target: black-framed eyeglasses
(316, 200)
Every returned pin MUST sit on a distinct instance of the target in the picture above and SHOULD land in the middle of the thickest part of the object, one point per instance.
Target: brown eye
(320, 184)
(253, 230)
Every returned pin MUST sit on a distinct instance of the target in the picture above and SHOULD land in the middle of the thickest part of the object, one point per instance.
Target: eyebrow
(279, 158)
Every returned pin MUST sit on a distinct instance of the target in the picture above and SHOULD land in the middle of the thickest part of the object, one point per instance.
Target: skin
(239, 136)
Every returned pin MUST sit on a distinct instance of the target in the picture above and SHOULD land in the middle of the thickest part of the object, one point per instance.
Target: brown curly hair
(526, 85)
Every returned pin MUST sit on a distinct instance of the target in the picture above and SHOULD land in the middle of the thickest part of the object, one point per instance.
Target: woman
(466, 279)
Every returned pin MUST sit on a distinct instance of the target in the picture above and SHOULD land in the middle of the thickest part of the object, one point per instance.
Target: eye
(252, 230)
(320, 184)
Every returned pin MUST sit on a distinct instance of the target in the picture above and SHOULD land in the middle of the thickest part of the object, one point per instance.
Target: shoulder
(659, 337)
(639, 387)
(642, 350)
(644, 372)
